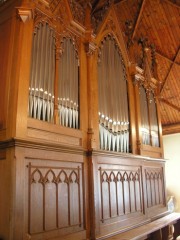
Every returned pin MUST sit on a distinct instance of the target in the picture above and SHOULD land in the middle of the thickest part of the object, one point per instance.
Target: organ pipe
(154, 122)
(113, 99)
(41, 97)
(68, 89)
(145, 129)
(149, 120)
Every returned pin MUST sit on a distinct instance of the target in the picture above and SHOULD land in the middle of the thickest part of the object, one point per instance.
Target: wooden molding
(36, 144)
(25, 14)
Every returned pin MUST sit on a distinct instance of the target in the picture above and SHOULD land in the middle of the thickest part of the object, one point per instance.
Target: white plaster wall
(172, 153)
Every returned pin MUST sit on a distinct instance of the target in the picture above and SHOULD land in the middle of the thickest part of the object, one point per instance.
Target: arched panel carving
(55, 198)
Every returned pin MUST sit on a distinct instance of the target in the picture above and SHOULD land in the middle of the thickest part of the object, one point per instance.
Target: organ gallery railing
(43, 90)
(113, 99)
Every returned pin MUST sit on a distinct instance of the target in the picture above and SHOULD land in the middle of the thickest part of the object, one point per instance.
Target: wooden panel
(127, 191)
(120, 190)
(154, 186)
(55, 198)
(54, 133)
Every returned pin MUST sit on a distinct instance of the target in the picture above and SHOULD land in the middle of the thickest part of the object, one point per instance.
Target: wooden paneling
(127, 191)
(55, 197)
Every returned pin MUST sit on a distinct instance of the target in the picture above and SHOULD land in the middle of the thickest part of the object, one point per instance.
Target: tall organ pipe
(145, 129)
(41, 90)
(154, 122)
(68, 86)
(113, 99)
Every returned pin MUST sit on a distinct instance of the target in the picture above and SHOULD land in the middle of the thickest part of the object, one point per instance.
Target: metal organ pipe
(145, 130)
(154, 122)
(41, 97)
(149, 120)
(113, 99)
(68, 85)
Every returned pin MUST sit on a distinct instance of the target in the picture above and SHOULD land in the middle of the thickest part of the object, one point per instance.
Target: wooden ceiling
(159, 22)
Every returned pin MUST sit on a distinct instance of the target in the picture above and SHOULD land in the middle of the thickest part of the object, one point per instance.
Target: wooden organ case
(81, 153)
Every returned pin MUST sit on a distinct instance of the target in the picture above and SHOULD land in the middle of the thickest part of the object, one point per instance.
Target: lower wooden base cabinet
(57, 192)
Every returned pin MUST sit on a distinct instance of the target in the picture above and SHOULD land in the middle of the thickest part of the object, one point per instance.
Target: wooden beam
(170, 104)
(172, 3)
(119, 1)
(170, 128)
(138, 18)
(94, 5)
(163, 56)
(173, 63)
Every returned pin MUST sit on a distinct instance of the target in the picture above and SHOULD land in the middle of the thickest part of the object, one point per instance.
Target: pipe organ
(113, 98)
(68, 85)
(149, 120)
(145, 117)
(41, 90)
(81, 146)
(154, 121)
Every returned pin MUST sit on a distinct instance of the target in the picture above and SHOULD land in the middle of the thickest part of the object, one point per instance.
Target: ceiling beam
(169, 104)
(119, 1)
(138, 18)
(170, 128)
(94, 5)
(163, 56)
(172, 3)
(168, 59)
(168, 74)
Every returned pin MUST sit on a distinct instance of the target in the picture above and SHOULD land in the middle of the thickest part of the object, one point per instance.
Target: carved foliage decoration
(78, 11)
(120, 192)
(98, 14)
(53, 4)
(40, 17)
(55, 198)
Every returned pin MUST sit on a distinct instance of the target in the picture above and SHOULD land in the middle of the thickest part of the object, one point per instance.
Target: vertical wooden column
(135, 110)
(24, 26)
(92, 85)
(93, 129)
(160, 126)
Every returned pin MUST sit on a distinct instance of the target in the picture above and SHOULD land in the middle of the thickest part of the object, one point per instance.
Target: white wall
(172, 153)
